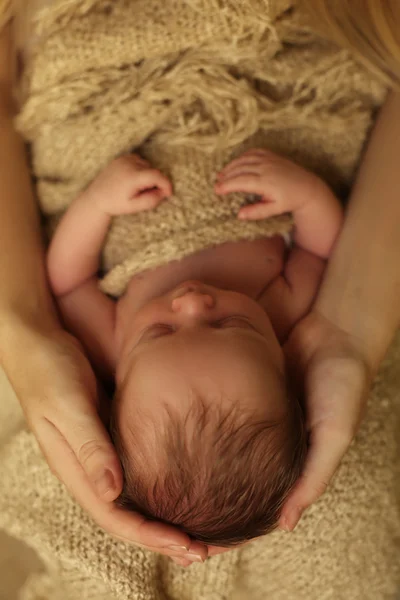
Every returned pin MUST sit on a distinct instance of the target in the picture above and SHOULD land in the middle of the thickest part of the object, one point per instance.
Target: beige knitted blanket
(191, 83)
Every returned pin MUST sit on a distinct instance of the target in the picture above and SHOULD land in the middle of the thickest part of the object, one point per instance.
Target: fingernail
(105, 483)
(283, 526)
(193, 557)
(293, 520)
(178, 548)
(298, 516)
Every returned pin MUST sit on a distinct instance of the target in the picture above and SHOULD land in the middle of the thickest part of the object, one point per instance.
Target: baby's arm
(284, 187)
(128, 185)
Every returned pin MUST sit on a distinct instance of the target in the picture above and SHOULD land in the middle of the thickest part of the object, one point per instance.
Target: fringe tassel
(60, 12)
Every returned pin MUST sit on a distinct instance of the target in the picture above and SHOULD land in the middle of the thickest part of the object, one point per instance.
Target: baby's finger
(259, 152)
(146, 201)
(241, 169)
(261, 210)
(248, 184)
(137, 157)
(137, 161)
(241, 161)
(144, 164)
(152, 178)
(254, 154)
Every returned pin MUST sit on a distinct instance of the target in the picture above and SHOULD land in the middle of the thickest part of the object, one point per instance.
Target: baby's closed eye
(158, 330)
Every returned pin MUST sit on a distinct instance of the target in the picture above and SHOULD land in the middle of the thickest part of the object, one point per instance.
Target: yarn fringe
(59, 14)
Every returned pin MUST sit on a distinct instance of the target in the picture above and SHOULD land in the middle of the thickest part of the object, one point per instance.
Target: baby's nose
(193, 304)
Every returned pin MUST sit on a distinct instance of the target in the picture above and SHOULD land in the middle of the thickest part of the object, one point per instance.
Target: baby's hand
(281, 185)
(128, 185)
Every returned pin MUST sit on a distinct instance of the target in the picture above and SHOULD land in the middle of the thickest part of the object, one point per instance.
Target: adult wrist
(32, 313)
(369, 332)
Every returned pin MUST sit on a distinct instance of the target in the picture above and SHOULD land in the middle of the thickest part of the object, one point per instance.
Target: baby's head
(209, 437)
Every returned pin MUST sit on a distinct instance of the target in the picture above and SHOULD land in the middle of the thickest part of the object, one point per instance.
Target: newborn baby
(209, 429)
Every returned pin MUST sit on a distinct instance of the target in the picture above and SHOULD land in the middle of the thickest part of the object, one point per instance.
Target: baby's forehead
(229, 349)
(225, 378)
(205, 360)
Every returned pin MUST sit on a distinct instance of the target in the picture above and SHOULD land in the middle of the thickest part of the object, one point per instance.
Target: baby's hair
(368, 28)
(219, 475)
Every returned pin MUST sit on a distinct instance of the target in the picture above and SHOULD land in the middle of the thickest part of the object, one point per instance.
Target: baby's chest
(249, 267)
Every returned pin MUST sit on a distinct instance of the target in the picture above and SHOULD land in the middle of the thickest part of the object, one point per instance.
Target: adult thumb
(79, 449)
(97, 456)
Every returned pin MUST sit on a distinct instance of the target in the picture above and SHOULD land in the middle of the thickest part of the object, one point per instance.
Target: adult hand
(58, 393)
(335, 377)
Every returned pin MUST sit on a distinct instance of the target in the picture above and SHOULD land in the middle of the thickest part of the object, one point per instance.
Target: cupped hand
(335, 378)
(58, 393)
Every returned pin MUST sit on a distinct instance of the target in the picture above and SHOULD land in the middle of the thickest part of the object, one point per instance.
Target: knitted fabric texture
(190, 83)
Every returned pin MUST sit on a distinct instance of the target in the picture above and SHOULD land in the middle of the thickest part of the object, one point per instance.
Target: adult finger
(181, 553)
(197, 552)
(127, 526)
(182, 562)
(158, 537)
(215, 550)
(153, 535)
(134, 528)
(74, 462)
(327, 448)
